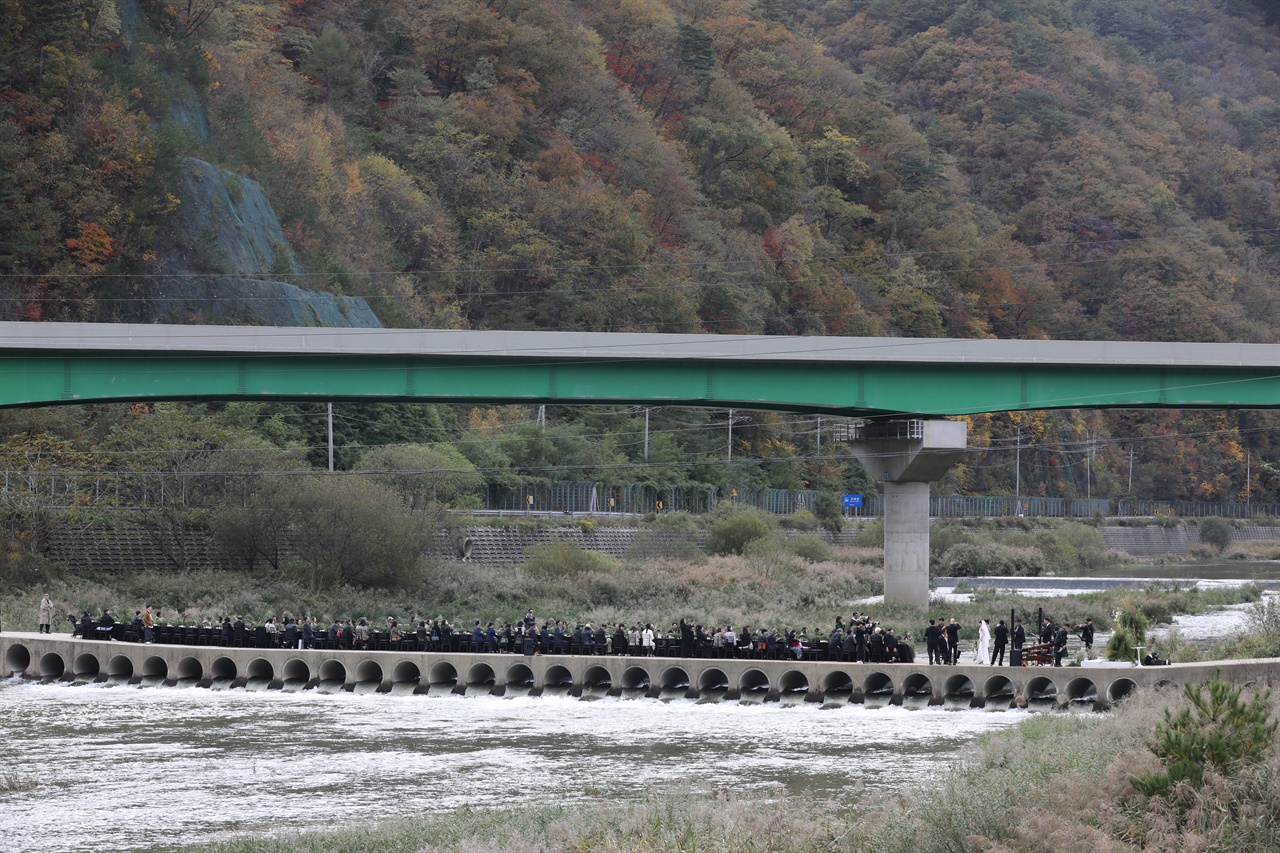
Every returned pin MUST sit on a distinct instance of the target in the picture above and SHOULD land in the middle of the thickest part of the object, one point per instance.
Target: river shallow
(151, 769)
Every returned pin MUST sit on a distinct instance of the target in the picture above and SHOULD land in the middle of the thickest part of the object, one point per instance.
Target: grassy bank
(1055, 782)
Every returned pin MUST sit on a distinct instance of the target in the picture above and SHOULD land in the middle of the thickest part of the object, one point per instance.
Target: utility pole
(646, 436)
(330, 408)
(542, 417)
(1131, 471)
(1248, 477)
(1018, 473)
(730, 456)
(1088, 466)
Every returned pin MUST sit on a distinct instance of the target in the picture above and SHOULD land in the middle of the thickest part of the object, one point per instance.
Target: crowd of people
(857, 639)
(860, 639)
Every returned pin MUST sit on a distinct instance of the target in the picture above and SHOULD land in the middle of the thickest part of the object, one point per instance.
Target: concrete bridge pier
(907, 456)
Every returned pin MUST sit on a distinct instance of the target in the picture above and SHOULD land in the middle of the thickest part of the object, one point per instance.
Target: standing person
(686, 639)
(1019, 637)
(1086, 636)
(148, 624)
(953, 641)
(984, 641)
(1059, 645)
(45, 623)
(1002, 637)
(1046, 632)
(932, 636)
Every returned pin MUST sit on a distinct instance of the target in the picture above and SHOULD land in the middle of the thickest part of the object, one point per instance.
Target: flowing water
(126, 768)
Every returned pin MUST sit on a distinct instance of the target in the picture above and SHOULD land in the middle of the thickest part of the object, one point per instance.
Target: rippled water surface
(125, 768)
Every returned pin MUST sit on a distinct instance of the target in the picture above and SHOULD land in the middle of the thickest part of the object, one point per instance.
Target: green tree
(1219, 731)
(1216, 532)
(349, 530)
(426, 475)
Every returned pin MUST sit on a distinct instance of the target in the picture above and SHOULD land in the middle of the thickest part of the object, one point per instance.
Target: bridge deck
(47, 363)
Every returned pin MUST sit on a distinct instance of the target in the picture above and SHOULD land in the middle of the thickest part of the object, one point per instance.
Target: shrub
(801, 519)
(1218, 731)
(828, 509)
(563, 558)
(870, 535)
(769, 554)
(351, 530)
(1128, 631)
(1216, 532)
(966, 560)
(811, 547)
(732, 533)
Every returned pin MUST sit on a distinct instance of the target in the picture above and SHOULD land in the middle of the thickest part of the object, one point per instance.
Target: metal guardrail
(56, 491)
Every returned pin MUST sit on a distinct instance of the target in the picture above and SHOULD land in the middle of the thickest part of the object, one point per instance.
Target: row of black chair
(259, 638)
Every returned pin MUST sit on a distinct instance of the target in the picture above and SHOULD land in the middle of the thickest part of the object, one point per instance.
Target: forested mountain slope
(1014, 168)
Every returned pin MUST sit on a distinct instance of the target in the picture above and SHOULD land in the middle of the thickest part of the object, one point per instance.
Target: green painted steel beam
(848, 387)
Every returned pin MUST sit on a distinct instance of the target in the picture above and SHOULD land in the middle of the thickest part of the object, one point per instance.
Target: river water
(125, 768)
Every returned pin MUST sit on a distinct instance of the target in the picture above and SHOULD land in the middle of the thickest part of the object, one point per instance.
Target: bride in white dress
(984, 641)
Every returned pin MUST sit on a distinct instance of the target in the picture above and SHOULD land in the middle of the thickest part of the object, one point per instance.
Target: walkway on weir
(61, 658)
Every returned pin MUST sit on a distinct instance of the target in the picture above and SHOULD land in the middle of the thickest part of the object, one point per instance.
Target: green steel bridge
(73, 363)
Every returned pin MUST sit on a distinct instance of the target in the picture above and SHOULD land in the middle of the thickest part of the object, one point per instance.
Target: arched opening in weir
(442, 679)
(333, 676)
(877, 690)
(958, 692)
(1042, 694)
(405, 677)
(557, 681)
(259, 674)
(296, 675)
(635, 682)
(119, 670)
(17, 658)
(51, 667)
(189, 672)
(596, 682)
(222, 674)
(674, 684)
(753, 687)
(368, 677)
(86, 668)
(713, 685)
(793, 687)
(917, 691)
(155, 671)
(1165, 684)
(837, 689)
(519, 680)
(1120, 689)
(480, 680)
(998, 693)
(1082, 694)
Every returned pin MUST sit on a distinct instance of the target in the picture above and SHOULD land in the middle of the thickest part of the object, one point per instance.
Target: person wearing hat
(45, 623)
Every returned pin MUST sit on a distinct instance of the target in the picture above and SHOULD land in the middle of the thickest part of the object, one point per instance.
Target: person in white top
(646, 639)
(984, 641)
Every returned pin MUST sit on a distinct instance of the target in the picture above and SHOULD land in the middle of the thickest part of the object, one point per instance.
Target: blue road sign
(853, 501)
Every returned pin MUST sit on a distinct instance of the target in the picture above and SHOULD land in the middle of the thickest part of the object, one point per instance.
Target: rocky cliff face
(228, 254)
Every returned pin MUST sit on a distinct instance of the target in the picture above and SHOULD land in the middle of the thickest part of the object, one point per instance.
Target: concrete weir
(60, 658)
